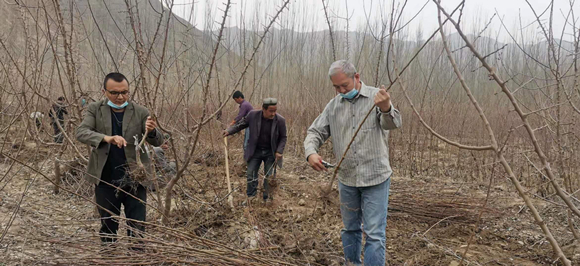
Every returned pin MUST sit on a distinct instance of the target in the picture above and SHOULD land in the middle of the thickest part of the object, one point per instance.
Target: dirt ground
(430, 220)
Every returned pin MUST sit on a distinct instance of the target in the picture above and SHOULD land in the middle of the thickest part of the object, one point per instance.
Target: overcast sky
(309, 14)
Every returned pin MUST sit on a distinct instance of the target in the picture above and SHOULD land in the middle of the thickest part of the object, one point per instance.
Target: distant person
(364, 176)
(245, 108)
(266, 143)
(83, 102)
(106, 126)
(37, 116)
(57, 116)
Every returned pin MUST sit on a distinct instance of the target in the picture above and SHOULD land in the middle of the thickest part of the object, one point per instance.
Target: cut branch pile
(431, 208)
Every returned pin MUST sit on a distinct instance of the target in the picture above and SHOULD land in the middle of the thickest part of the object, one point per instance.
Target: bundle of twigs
(426, 206)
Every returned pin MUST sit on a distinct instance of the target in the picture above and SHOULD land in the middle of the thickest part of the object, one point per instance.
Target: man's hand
(150, 125)
(225, 133)
(316, 162)
(383, 99)
(278, 156)
(116, 140)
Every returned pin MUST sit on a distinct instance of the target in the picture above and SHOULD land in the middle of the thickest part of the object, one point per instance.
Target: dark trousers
(260, 155)
(58, 136)
(109, 199)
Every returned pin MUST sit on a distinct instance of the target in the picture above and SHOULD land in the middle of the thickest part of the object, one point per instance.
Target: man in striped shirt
(364, 176)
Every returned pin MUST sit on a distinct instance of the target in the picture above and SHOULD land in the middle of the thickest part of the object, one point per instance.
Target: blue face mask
(349, 95)
(117, 106)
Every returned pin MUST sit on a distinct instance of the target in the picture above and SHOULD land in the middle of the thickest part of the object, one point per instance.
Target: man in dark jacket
(266, 143)
(57, 116)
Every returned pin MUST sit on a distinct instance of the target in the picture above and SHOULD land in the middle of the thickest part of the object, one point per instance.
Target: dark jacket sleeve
(239, 126)
(282, 134)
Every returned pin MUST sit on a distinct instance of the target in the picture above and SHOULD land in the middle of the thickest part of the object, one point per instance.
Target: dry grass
(429, 221)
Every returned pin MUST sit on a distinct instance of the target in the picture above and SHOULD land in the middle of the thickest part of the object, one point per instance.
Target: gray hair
(342, 66)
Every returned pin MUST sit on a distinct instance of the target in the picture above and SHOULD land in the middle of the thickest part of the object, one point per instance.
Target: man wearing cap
(266, 143)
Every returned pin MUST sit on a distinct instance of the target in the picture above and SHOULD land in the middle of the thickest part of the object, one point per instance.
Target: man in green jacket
(110, 127)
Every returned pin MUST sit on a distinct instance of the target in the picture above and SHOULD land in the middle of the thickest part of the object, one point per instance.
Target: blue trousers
(368, 206)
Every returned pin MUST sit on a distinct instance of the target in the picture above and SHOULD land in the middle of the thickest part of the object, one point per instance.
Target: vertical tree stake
(230, 196)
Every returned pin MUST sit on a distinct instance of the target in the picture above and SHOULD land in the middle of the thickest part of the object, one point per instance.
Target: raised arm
(154, 137)
(391, 119)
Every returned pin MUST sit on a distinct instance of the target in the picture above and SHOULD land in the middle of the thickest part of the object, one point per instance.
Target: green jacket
(97, 124)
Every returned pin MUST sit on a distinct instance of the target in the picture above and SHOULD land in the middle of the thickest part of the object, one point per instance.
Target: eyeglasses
(116, 93)
(270, 101)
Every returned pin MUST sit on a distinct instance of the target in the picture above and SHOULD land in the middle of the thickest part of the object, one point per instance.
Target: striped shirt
(367, 161)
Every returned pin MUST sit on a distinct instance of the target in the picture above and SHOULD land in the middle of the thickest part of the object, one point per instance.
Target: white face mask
(109, 103)
(352, 93)
(349, 95)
